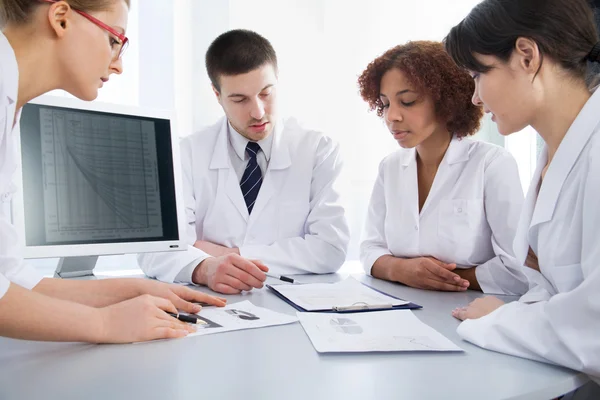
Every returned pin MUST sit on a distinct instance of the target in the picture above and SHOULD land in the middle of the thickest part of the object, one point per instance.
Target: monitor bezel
(100, 249)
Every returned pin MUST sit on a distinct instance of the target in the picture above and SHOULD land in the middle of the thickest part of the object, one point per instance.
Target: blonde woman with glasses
(74, 45)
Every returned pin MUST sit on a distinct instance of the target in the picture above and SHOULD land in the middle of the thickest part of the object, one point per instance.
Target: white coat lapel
(276, 171)
(574, 141)
(521, 242)
(408, 184)
(228, 180)
(446, 176)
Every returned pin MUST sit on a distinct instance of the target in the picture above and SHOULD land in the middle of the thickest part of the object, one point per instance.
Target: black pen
(192, 319)
(281, 278)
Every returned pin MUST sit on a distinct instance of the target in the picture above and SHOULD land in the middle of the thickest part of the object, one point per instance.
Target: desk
(278, 363)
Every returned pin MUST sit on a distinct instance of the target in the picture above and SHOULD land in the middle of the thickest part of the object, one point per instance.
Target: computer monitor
(97, 179)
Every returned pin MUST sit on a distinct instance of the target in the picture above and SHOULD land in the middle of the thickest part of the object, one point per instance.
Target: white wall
(322, 46)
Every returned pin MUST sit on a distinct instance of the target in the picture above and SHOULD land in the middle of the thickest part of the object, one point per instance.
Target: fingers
(260, 265)
(226, 289)
(446, 276)
(184, 305)
(163, 304)
(433, 284)
(460, 313)
(449, 267)
(235, 283)
(184, 296)
(247, 279)
(249, 267)
(169, 333)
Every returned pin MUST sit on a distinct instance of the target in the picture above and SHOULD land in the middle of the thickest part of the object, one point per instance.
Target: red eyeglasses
(119, 46)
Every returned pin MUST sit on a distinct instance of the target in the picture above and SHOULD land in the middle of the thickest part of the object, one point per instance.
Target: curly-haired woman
(444, 208)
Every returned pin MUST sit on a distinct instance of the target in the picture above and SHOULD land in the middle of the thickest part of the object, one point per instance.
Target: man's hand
(478, 308)
(230, 274)
(215, 250)
(181, 297)
(428, 273)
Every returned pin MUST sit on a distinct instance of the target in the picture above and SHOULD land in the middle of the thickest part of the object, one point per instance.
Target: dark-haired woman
(444, 208)
(529, 61)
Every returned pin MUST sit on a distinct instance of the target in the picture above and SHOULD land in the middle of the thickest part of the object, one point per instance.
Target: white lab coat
(297, 224)
(12, 268)
(469, 217)
(558, 320)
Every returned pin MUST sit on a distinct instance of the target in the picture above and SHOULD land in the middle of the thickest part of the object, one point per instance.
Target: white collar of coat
(458, 151)
(239, 143)
(9, 70)
(565, 158)
(280, 152)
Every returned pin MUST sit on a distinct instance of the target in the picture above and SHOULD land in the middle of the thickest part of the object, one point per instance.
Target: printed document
(233, 317)
(396, 330)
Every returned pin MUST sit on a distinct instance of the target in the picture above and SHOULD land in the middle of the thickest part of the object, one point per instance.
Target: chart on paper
(100, 177)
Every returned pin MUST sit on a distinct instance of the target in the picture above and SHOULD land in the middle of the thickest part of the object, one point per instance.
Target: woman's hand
(182, 297)
(478, 308)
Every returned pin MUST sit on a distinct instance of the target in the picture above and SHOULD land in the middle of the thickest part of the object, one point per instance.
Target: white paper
(325, 296)
(397, 330)
(242, 315)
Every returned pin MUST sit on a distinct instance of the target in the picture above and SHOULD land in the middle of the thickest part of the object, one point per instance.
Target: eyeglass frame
(124, 40)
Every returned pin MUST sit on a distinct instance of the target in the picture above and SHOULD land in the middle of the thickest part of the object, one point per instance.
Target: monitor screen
(96, 177)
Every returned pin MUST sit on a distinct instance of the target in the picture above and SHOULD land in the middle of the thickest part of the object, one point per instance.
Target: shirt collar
(239, 143)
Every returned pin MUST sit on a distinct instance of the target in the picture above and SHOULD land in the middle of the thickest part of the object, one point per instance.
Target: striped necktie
(252, 178)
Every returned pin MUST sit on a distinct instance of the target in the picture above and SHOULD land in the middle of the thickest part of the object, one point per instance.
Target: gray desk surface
(278, 362)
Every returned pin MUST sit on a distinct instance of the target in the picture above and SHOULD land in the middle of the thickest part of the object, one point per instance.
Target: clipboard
(356, 307)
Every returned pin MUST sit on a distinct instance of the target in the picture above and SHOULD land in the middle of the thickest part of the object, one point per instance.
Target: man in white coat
(255, 185)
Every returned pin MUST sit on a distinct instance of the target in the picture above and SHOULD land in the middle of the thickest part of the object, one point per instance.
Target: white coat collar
(280, 153)
(457, 152)
(239, 143)
(565, 158)
(9, 70)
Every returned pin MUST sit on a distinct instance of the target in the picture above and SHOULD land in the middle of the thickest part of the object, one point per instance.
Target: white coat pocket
(292, 219)
(459, 223)
(566, 277)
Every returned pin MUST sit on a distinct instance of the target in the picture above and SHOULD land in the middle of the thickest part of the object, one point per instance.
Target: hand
(215, 250)
(180, 296)
(429, 273)
(230, 274)
(140, 319)
(478, 308)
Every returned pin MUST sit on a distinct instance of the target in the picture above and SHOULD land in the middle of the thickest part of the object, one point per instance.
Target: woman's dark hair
(564, 30)
(238, 51)
(429, 68)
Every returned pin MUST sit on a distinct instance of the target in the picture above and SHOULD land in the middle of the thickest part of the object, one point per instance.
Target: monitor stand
(76, 267)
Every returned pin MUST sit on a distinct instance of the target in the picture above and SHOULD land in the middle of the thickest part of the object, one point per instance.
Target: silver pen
(363, 307)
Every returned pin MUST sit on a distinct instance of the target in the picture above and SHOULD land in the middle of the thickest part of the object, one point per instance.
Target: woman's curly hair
(431, 70)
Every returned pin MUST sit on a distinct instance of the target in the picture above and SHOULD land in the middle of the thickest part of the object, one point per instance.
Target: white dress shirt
(469, 217)
(239, 157)
(12, 268)
(558, 320)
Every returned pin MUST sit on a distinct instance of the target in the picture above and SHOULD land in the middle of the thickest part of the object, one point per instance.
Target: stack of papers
(372, 332)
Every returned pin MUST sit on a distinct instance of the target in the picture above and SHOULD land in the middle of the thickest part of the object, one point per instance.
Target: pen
(192, 319)
(280, 277)
(363, 307)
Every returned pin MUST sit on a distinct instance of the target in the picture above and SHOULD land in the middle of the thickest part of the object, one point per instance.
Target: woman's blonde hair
(19, 11)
